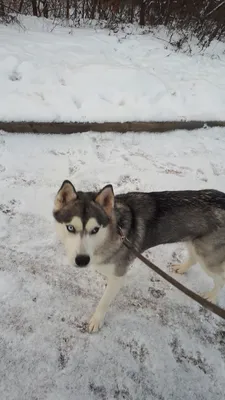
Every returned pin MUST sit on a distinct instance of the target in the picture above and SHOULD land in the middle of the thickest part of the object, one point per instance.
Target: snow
(53, 73)
(156, 343)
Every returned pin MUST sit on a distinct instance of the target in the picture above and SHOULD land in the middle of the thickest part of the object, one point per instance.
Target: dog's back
(174, 216)
(196, 217)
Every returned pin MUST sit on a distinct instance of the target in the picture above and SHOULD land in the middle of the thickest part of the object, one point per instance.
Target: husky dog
(88, 223)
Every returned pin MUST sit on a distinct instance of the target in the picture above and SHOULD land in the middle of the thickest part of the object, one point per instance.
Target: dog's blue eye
(70, 228)
(94, 231)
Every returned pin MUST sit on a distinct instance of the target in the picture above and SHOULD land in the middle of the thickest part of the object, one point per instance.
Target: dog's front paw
(95, 322)
(179, 268)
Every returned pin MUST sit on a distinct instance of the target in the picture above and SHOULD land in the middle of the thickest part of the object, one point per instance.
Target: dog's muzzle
(82, 260)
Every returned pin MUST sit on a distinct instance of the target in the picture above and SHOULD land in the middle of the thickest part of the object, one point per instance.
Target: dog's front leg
(114, 284)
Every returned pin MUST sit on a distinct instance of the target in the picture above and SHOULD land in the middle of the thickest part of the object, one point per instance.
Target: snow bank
(65, 74)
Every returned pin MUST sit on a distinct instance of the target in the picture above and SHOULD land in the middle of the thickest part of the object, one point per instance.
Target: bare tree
(34, 7)
(2, 8)
(203, 19)
(142, 12)
(20, 6)
(45, 8)
(93, 9)
(67, 9)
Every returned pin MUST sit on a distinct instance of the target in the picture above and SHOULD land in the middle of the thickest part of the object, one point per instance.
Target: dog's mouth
(82, 260)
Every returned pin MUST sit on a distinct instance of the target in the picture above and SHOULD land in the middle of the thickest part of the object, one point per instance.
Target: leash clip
(122, 236)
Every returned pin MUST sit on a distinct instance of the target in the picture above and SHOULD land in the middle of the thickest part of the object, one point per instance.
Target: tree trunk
(45, 9)
(93, 10)
(20, 6)
(68, 9)
(75, 9)
(132, 12)
(83, 9)
(34, 7)
(142, 13)
(2, 9)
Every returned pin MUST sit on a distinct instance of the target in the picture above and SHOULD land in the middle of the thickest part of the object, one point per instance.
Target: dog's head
(83, 221)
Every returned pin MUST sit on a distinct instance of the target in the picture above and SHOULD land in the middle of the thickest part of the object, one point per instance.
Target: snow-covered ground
(66, 74)
(156, 343)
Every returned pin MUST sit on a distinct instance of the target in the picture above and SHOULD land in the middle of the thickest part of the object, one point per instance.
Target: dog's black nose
(82, 260)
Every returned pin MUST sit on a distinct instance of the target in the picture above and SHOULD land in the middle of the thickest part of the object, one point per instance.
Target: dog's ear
(106, 199)
(65, 194)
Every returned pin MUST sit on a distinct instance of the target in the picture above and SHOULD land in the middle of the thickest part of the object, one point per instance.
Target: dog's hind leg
(113, 286)
(212, 295)
(184, 267)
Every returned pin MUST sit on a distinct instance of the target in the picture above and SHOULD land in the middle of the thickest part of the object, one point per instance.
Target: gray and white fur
(87, 224)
